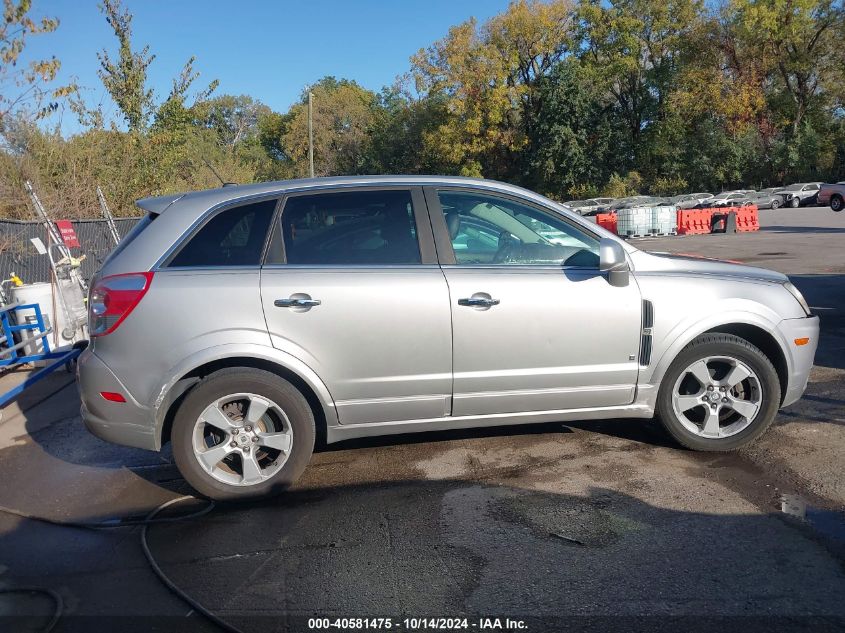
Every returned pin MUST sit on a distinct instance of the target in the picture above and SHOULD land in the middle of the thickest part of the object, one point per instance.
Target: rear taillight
(113, 298)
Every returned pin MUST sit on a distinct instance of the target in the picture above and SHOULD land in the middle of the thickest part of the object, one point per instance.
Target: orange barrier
(747, 218)
(694, 221)
(607, 221)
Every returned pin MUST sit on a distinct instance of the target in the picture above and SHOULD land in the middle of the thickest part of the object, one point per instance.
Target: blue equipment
(11, 353)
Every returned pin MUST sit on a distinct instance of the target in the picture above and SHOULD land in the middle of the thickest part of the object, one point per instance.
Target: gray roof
(211, 197)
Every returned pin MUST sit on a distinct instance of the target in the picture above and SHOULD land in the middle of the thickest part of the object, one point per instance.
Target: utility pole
(310, 136)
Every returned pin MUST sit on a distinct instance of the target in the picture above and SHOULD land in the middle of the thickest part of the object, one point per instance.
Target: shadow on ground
(801, 229)
(453, 548)
(825, 295)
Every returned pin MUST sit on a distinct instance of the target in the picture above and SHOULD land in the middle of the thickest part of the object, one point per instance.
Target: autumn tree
(487, 78)
(800, 41)
(26, 86)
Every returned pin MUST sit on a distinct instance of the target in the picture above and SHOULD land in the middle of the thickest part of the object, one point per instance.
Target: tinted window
(234, 237)
(486, 229)
(351, 228)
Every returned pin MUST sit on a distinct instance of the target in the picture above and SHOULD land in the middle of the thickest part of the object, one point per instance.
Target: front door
(352, 288)
(536, 326)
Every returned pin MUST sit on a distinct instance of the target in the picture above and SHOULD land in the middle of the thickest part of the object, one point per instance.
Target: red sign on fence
(68, 233)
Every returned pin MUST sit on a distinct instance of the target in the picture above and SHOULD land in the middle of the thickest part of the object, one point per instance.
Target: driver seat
(453, 223)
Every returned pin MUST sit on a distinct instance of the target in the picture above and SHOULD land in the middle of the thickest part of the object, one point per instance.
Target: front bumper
(128, 423)
(801, 357)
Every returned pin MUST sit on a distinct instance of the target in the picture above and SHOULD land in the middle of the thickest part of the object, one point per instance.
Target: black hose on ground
(151, 519)
(196, 606)
(55, 597)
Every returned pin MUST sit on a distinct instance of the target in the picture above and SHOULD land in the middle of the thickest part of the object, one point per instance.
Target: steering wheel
(507, 246)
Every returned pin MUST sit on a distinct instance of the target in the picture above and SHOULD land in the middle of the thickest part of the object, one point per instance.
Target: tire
(735, 430)
(775, 204)
(287, 421)
(836, 203)
(794, 202)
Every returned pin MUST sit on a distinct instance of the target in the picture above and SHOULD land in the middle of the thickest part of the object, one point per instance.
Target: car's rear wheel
(836, 202)
(243, 432)
(719, 394)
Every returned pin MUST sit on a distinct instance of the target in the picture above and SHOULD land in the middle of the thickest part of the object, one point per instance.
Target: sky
(267, 49)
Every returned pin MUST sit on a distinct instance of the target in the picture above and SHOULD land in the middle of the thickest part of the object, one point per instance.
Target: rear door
(351, 286)
(536, 326)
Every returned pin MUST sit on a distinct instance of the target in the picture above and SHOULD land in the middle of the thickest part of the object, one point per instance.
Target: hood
(696, 265)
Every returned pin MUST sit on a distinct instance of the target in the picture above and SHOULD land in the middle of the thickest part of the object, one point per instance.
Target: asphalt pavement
(586, 526)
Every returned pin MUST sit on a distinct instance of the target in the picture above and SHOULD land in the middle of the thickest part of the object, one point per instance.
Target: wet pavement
(585, 526)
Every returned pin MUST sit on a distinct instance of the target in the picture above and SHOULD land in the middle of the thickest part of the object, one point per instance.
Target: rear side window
(234, 237)
(351, 228)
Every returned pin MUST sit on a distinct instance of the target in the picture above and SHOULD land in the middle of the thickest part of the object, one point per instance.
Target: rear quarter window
(233, 237)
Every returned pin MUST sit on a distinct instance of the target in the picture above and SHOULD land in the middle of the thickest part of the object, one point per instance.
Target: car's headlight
(798, 297)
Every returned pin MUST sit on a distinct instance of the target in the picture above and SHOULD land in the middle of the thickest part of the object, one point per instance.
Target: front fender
(167, 394)
(729, 312)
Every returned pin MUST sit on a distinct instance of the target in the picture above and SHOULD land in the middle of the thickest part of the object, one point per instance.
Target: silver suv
(243, 324)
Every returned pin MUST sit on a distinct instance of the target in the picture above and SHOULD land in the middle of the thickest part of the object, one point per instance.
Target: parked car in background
(583, 207)
(691, 200)
(433, 303)
(641, 201)
(728, 199)
(784, 197)
(766, 200)
(601, 201)
(801, 194)
(833, 195)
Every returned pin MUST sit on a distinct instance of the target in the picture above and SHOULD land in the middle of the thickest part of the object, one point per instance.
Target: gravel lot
(589, 526)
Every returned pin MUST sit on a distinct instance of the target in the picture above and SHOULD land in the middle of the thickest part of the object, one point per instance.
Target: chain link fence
(18, 255)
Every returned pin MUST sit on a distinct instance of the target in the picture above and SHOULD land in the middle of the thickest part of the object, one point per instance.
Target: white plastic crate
(664, 220)
(635, 222)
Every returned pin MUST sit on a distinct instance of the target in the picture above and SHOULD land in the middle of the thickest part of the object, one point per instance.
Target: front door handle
(478, 302)
(296, 303)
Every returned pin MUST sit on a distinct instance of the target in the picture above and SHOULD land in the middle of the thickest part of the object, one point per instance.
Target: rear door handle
(296, 303)
(478, 302)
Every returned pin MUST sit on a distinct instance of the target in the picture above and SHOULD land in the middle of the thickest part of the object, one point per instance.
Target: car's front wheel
(242, 432)
(836, 203)
(794, 201)
(775, 204)
(719, 394)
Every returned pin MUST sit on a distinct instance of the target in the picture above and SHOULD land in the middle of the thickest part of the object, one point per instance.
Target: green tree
(125, 78)
(344, 113)
(633, 50)
(571, 135)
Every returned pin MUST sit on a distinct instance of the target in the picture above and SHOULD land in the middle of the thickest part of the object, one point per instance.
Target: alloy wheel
(717, 397)
(242, 439)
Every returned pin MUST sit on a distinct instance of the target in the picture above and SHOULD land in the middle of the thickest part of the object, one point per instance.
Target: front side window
(486, 229)
(350, 228)
(233, 237)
